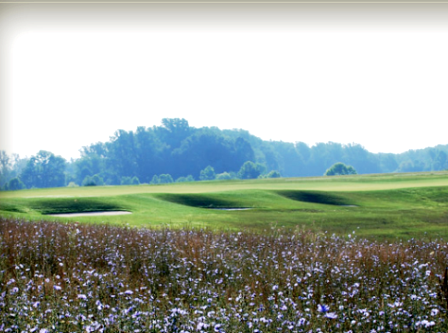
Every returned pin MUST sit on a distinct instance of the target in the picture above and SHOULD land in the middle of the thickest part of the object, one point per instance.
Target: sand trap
(242, 208)
(50, 196)
(91, 214)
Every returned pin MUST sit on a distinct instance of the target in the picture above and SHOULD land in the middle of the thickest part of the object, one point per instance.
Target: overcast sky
(72, 75)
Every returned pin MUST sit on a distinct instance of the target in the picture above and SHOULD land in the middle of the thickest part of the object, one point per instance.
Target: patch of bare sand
(91, 214)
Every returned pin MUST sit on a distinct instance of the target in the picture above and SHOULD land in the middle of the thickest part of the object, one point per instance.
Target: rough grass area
(58, 277)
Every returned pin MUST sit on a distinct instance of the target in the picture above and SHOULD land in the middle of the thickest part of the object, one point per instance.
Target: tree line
(175, 151)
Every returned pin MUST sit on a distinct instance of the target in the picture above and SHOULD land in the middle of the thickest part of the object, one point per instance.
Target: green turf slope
(379, 206)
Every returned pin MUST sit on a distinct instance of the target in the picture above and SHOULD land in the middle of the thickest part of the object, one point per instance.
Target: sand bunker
(91, 214)
(241, 208)
(49, 196)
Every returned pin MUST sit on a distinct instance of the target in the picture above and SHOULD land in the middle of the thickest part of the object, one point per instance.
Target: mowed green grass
(378, 206)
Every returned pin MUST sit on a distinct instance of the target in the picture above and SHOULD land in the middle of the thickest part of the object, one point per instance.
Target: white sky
(72, 77)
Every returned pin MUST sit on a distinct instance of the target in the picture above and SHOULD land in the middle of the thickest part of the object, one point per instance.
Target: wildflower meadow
(57, 277)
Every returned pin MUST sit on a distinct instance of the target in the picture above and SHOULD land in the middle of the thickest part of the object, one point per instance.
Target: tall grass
(96, 278)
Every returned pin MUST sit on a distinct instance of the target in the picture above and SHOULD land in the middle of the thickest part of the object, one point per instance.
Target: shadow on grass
(316, 197)
(60, 206)
(198, 200)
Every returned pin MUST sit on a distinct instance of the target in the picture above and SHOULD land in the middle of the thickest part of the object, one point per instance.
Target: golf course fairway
(381, 206)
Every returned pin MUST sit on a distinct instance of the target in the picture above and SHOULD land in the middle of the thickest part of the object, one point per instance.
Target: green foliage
(440, 161)
(130, 181)
(177, 149)
(210, 146)
(155, 180)
(165, 179)
(174, 131)
(4, 169)
(388, 162)
(72, 184)
(15, 184)
(224, 176)
(340, 169)
(273, 174)
(189, 178)
(95, 180)
(208, 173)
(250, 170)
(162, 179)
(44, 170)
(410, 166)
(126, 180)
(88, 181)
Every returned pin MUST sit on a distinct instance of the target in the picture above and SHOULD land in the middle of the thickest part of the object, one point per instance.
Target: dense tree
(88, 166)
(224, 176)
(250, 170)
(208, 173)
(289, 161)
(11, 166)
(363, 161)
(174, 131)
(410, 166)
(4, 168)
(340, 169)
(122, 153)
(150, 154)
(155, 180)
(176, 149)
(88, 181)
(273, 174)
(15, 184)
(204, 148)
(94, 180)
(242, 152)
(130, 181)
(165, 178)
(126, 180)
(98, 180)
(271, 157)
(182, 179)
(387, 162)
(440, 161)
(44, 170)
